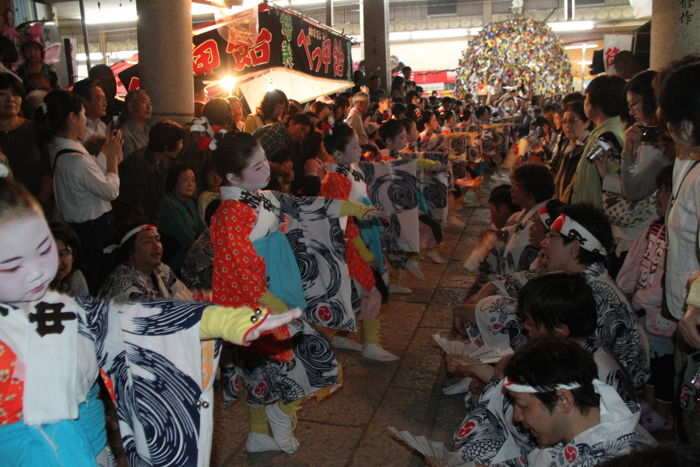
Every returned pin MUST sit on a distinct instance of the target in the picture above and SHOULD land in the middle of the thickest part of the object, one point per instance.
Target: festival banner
(282, 50)
(288, 47)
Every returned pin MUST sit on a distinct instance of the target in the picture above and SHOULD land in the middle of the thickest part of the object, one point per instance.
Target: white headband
(524, 388)
(572, 230)
(128, 235)
(545, 217)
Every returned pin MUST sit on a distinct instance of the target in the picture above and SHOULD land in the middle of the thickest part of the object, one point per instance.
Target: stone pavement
(350, 427)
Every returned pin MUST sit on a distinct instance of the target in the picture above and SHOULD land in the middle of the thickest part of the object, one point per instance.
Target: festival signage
(288, 47)
(284, 50)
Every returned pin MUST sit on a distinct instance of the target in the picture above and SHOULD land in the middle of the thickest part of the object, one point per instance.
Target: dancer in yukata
(254, 263)
(53, 347)
(365, 260)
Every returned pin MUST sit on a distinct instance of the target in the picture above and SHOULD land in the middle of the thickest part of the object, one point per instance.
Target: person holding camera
(598, 179)
(604, 104)
(645, 152)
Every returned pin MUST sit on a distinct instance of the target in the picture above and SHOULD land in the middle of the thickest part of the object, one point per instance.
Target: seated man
(501, 292)
(557, 304)
(576, 419)
(577, 243)
(142, 275)
(488, 255)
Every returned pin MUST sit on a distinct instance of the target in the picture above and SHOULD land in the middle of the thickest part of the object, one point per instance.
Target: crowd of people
(252, 245)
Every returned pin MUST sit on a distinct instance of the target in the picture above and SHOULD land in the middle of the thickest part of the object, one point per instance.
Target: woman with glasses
(576, 128)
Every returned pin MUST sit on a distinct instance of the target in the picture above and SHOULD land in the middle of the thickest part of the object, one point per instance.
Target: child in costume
(254, 263)
(396, 137)
(52, 348)
(345, 181)
(641, 279)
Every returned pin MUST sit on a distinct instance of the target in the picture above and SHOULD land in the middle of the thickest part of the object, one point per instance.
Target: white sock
(258, 442)
(282, 428)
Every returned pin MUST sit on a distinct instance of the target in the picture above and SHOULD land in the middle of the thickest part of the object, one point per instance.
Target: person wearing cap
(373, 138)
(576, 418)
(360, 105)
(579, 241)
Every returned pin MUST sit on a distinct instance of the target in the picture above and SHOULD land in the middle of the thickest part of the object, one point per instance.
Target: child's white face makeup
(28, 260)
(351, 154)
(256, 176)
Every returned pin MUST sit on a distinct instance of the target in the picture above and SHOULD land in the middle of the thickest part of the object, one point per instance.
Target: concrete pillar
(675, 30)
(375, 15)
(164, 33)
(487, 13)
(329, 13)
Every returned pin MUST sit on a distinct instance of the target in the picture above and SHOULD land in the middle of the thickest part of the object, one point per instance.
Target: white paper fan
(432, 449)
(453, 347)
(470, 354)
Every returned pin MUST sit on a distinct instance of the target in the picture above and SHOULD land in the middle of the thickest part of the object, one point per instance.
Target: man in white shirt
(95, 107)
(360, 105)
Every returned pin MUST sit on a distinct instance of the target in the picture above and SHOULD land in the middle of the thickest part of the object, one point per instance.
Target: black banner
(285, 40)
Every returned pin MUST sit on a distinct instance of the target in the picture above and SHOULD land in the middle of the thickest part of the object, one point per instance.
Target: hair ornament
(200, 125)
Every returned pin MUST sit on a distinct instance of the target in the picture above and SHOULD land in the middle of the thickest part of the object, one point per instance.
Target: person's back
(142, 186)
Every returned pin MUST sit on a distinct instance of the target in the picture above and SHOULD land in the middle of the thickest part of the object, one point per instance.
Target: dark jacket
(141, 187)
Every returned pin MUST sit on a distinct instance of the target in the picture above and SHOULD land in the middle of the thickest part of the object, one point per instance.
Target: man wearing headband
(556, 304)
(576, 419)
(499, 296)
(578, 241)
(142, 275)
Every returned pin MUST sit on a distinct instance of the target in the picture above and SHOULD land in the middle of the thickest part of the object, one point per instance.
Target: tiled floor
(349, 428)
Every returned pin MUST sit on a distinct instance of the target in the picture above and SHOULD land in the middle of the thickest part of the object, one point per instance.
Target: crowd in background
(586, 266)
